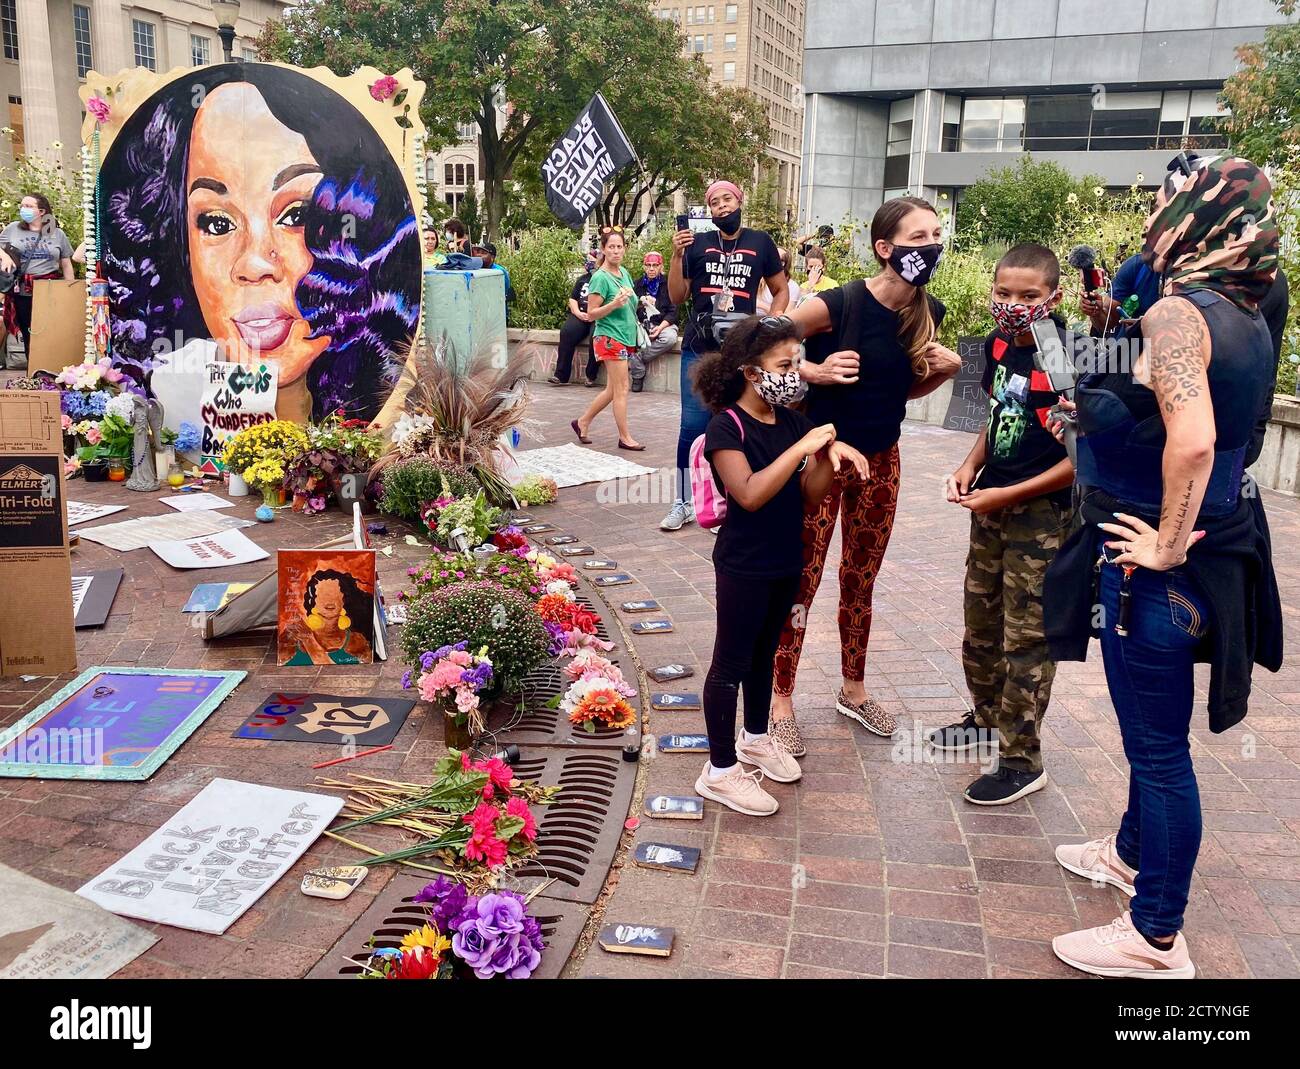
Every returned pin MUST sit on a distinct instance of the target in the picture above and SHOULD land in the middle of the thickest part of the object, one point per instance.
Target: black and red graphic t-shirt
(1018, 445)
(713, 261)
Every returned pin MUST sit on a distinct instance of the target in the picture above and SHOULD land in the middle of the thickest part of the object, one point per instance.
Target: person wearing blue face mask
(44, 252)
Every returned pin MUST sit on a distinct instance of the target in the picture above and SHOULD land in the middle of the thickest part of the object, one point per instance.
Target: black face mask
(729, 223)
(915, 263)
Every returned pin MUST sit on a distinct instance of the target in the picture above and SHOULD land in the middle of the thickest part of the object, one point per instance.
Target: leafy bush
(32, 174)
(963, 282)
(542, 271)
(410, 484)
(480, 613)
(1025, 202)
(444, 569)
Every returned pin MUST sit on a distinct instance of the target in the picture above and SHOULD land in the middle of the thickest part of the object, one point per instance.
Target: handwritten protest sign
(234, 397)
(214, 858)
(968, 410)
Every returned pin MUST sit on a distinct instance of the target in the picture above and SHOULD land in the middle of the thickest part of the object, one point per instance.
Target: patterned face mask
(1013, 319)
(1215, 229)
(783, 389)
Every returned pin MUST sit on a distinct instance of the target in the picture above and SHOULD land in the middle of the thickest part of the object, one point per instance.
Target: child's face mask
(1013, 319)
(779, 389)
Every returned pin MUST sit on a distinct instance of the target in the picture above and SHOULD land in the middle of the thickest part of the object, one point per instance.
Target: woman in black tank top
(1173, 564)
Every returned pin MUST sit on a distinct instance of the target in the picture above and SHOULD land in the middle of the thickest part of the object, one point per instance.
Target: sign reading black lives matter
(594, 149)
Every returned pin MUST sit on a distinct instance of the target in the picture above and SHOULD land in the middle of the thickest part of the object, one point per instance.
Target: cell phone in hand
(683, 222)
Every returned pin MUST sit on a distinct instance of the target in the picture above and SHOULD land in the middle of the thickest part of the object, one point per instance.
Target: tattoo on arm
(1177, 341)
(1180, 507)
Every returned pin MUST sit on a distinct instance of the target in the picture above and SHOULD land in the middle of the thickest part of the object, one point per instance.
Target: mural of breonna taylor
(252, 206)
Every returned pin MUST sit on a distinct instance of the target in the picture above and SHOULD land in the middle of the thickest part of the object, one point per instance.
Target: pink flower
(384, 88)
(67, 421)
(93, 436)
(517, 807)
(500, 774)
(428, 689)
(98, 107)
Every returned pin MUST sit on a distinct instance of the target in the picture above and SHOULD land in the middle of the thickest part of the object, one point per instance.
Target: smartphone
(1051, 357)
(683, 222)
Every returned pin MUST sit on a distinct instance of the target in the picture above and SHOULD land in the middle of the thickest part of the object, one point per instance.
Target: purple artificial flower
(493, 938)
(406, 680)
(448, 899)
(427, 659)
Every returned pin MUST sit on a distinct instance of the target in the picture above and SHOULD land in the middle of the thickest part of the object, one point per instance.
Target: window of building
(1125, 121)
(200, 51)
(81, 38)
(469, 174)
(699, 42)
(711, 13)
(708, 42)
(467, 131)
(1058, 123)
(951, 123)
(992, 124)
(16, 142)
(898, 142)
(9, 26)
(699, 14)
(1203, 110)
(460, 174)
(728, 72)
(142, 34)
(690, 16)
(732, 11)
(729, 42)
(448, 175)
(249, 54)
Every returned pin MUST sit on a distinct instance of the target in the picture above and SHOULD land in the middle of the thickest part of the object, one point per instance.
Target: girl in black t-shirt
(884, 332)
(770, 461)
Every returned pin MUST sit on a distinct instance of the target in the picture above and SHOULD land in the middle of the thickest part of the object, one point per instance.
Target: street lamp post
(226, 11)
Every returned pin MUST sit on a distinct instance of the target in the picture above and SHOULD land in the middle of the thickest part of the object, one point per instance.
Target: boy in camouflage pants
(1016, 483)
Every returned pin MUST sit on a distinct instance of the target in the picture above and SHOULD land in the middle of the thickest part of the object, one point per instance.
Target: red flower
(583, 619)
(500, 775)
(517, 807)
(418, 963)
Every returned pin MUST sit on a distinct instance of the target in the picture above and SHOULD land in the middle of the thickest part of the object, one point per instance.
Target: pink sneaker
(1098, 861)
(1118, 949)
(738, 790)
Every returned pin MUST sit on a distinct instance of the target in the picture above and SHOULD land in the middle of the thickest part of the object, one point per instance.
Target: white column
(36, 77)
(108, 31)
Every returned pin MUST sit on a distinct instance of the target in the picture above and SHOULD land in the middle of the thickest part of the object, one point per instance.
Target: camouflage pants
(1004, 651)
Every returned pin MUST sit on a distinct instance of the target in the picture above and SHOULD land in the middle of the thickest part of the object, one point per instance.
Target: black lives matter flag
(594, 149)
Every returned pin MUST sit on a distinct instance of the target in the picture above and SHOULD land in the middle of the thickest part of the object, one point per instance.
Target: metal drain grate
(393, 914)
(578, 834)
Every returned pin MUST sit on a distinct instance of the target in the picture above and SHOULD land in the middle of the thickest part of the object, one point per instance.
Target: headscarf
(1215, 229)
(652, 284)
(723, 184)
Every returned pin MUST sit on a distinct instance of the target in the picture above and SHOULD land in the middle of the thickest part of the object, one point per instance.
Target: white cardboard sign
(214, 858)
(210, 551)
(235, 397)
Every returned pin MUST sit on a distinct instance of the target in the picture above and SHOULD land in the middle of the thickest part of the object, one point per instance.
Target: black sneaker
(638, 385)
(964, 736)
(1004, 786)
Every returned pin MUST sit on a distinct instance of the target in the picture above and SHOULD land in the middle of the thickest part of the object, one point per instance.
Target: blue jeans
(1150, 677)
(695, 419)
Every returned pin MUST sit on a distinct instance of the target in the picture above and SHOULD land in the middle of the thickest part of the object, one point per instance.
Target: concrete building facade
(926, 96)
(46, 47)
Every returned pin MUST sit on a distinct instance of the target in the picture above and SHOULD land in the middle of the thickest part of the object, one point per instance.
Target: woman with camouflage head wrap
(1172, 565)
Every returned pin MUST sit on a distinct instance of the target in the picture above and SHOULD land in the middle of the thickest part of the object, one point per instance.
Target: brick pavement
(895, 874)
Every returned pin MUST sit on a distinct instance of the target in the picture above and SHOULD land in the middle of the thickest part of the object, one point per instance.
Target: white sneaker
(738, 790)
(678, 516)
(765, 752)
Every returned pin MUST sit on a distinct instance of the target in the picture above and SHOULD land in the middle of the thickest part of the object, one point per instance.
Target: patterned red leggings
(868, 512)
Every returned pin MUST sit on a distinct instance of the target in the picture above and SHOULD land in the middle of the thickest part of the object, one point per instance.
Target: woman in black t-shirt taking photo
(884, 331)
(774, 465)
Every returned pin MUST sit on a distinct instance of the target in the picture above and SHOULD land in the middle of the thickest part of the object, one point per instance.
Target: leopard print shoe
(869, 713)
(786, 733)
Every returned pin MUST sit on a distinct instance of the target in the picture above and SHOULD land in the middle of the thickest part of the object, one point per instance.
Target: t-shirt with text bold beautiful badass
(712, 262)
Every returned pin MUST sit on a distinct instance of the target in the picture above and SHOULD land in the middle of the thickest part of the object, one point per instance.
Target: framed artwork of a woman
(326, 606)
(254, 212)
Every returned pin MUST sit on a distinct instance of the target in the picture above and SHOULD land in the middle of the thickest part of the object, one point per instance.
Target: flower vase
(238, 487)
(455, 730)
(273, 496)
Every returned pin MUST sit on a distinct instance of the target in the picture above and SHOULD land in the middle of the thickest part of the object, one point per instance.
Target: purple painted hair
(363, 290)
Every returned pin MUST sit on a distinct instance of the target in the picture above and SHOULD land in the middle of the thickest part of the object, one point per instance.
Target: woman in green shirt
(611, 303)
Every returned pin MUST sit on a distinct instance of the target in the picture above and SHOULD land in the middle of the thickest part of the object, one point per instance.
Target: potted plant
(353, 450)
(261, 455)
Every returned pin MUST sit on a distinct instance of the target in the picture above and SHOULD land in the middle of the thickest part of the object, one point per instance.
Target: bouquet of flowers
(261, 453)
(488, 935)
(470, 518)
(454, 678)
(509, 538)
(599, 699)
(548, 567)
(90, 375)
(474, 816)
(536, 490)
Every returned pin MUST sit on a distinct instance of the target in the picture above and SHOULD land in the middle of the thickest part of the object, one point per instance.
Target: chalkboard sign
(969, 408)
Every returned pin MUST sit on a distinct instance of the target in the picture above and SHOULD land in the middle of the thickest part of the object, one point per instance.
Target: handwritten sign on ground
(216, 857)
(234, 397)
(210, 551)
(968, 410)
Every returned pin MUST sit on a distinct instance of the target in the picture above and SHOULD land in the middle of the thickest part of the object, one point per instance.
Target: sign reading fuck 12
(235, 396)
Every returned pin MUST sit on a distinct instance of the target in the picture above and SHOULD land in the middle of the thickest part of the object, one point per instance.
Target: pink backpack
(709, 502)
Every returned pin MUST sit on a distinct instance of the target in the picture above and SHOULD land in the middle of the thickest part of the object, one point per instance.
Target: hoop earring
(315, 621)
(345, 621)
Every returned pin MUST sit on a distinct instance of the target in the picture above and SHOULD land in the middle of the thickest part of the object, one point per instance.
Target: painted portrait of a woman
(254, 207)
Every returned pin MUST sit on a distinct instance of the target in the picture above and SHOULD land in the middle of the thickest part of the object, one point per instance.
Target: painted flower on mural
(99, 108)
(384, 88)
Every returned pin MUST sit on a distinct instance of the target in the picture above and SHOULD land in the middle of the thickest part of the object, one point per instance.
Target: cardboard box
(36, 621)
(58, 324)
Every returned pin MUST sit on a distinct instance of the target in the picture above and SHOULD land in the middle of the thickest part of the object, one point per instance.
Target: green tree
(468, 214)
(515, 68)
(1264, 94)
(1025, 202)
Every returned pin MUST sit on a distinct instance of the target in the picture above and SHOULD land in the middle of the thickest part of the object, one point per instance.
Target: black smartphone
(683, 222)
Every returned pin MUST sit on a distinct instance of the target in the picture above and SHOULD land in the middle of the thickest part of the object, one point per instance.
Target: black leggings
(751, 614)
(23, 314)
(572, 334)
